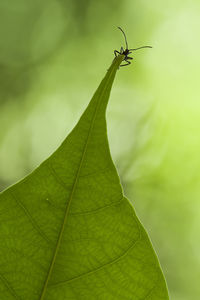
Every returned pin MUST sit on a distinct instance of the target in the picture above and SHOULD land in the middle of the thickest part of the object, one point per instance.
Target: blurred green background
(53, 55)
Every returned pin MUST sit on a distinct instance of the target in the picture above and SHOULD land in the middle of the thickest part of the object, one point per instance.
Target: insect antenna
(124, 37)
(140, 48)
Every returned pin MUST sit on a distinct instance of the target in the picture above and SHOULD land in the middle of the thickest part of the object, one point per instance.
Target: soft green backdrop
(53, 55)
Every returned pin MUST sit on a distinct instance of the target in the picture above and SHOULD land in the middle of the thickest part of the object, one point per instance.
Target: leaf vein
(30, 218)
(56, 177)
(98, 209)
(9, 287)
(96, 172)
(103, 266)
(150, 292)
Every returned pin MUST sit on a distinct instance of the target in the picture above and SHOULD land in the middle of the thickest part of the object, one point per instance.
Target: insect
(127, 51)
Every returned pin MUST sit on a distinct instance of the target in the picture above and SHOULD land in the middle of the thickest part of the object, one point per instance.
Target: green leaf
(68, 232)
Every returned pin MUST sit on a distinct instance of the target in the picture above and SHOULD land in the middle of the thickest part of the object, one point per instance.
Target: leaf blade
(76, 229)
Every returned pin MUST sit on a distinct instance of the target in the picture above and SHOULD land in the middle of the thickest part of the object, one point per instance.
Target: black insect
(127, 51)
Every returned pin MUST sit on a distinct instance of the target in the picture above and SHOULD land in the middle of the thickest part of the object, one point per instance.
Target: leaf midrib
(72, 192)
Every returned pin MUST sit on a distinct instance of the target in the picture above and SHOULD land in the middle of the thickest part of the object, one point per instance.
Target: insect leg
(128, 63)
(115, 52)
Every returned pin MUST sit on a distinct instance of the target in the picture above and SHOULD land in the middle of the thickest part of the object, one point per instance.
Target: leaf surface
(68, 232)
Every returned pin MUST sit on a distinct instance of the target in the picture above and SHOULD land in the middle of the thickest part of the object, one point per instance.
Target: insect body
(127, 51)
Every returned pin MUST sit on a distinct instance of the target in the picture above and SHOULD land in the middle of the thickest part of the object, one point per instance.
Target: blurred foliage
(52, 56)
